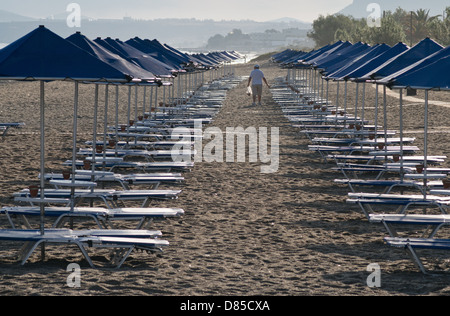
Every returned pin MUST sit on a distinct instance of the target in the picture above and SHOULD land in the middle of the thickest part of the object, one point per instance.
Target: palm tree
(420, 24)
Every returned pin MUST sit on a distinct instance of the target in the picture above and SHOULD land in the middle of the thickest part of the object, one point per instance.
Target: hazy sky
(258, 10)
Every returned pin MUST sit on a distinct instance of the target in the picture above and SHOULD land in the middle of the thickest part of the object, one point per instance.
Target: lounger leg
(120, 256)
(350, 186)
(146, 203)
(145, 223)
(10, 220)
(86, 255)
(25, 221)
(416, 259)
(27, 250)
(392, 232)
(366, 213)
(434, 232)
(59, 221)
(141, 223)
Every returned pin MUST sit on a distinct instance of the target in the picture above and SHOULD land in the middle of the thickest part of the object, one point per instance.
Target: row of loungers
(67, 200)
(364, 155)
(5, 127)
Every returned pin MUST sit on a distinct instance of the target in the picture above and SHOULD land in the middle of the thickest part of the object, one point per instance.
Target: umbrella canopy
(423, 49)
(334, 49)
(305, 60)
(416, 66)
(342, 55)
(374, 63)
(431, 77)
(434, 76)
(320, 51)
(43, 55)
(136, 56)
(158, 52)
(110, 58)
(359, 61)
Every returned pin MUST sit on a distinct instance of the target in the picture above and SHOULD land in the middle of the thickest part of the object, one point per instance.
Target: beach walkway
(248, 233)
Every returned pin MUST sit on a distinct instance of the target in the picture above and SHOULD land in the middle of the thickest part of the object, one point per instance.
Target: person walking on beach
(256, 79)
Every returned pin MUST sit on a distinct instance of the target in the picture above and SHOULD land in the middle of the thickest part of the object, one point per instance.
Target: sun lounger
(344, 133)
(103, 217)
(5, 127)
(396, 196)
(378, 170)
(144, 166)
(155, 137)
(164, 144)
(402, 205)
(148, 155)
(368, 149)
(367, 200)
(125, 180)
(359, 141)
(386, 185)
(349, 150)
(111, 198)
(368, 159)
(433, 222)
(411, 245)
(124, 242)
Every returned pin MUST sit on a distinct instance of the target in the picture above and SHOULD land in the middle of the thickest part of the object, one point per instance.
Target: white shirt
(257, 77)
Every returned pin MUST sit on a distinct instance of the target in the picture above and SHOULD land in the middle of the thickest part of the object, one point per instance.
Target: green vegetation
(398, 26)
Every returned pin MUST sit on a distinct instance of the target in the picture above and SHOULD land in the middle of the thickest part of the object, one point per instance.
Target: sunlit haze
(261, 10)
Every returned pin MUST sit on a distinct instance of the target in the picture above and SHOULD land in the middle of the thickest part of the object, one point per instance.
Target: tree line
(399, 26)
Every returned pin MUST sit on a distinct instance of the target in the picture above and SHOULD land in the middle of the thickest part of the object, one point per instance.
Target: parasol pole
(42, 105)
(402, 175)
(356, 104)
(385, 121)
(74, 148)
(425, 145)
(116, 140)
(42, 206)
(105, 126)
(363, 105)
(94, 143)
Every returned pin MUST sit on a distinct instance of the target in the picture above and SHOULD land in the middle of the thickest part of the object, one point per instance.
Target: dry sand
(244, 233)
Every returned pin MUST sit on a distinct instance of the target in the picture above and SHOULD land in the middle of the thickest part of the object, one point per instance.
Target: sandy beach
(244, 233)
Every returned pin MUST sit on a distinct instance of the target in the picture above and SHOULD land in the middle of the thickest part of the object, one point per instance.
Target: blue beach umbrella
(44, 56)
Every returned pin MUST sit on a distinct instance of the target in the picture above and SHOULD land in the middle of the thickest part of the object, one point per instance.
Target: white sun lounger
(435, 222)
(386, 185)
(368, 159)
(367, 200)
(164, 144)
(124, 242)
(148, 155)
(109, 197)
(144, 166)
(103, 217)
(125, 180)
(359, 141)
(403, 205)
(5, 127)
(411, 245)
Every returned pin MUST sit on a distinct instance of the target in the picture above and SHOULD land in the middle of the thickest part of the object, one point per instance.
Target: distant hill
(290, 20)
(358, 8)
(187, 33)
(6, 16)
